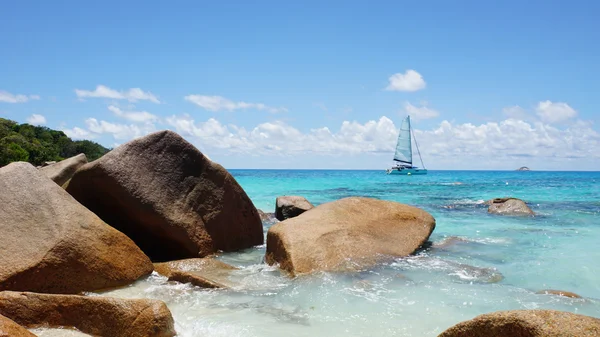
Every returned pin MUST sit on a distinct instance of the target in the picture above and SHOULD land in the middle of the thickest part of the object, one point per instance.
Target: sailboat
(404, 155)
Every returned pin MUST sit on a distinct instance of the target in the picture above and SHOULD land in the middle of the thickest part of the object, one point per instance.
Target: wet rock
(346, 235)
(95, 315)
(509, 206)
(266, 217)
(8, 328)
(449, 242)
(205, 273)
(290, 206)
(51, 243)
(62, 171)
(169, 198)
(526, 323)
(558, 293)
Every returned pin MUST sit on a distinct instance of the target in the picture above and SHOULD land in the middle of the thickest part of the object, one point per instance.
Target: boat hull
(406, 171)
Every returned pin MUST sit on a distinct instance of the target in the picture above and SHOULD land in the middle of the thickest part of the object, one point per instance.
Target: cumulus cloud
(132, 95)
(7, 97)
(219, 103)
(507, 141)
(36, 119)
(420, 113)
(409, 81)
(134, 116)
(555, 112)
(78, 133)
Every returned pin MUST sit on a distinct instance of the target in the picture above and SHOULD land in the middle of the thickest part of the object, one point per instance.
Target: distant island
(39, 144)
(523, 168)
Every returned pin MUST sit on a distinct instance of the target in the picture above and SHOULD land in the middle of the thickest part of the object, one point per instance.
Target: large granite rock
(205, 273)
(62, 171)
(291, 206)
(347, 234)
(51, 243)
(95, 315)
(509, 206)
(8, 328)
(169, 198)
(526, 323)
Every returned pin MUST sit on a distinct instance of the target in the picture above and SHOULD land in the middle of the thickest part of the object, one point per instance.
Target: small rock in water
(291, 206)
(527, 323)
(558, 293)
(205, 273)
(509, 206)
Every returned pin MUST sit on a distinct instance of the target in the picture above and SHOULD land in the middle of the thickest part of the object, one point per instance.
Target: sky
(314, 84)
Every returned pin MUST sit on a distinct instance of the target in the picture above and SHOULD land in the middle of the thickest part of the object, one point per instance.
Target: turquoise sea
(477, 262)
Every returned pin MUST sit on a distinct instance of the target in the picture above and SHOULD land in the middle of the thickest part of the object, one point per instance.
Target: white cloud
(555, 112)
(132, 95)
(219, 103)
(409, 81)
(515, 112)
(36, 119)
(7, 97)
(119, 131)
(420, 113)
(78, 133)
(134, 116)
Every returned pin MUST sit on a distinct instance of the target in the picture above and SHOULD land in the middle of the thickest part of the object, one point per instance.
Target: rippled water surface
(477, 263)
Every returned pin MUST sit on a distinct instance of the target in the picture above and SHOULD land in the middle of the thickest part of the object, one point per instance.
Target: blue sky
(313, 85)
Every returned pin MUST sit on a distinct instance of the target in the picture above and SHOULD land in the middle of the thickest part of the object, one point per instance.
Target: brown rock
(290, 206)
(62, 171)
(527, 323)
(8, 328)
(169, 198)
(509, 206)
(347, 234)
(95, 315)
(51, 243)
(267, 217)
(558, 293)
(205, 273)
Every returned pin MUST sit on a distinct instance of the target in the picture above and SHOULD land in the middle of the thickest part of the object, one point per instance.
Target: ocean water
(477, 263)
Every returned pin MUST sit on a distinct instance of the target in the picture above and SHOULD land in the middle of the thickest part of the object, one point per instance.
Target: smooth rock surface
(509, 206)
(95, 315)
(206, 273)
(527, 323)
(62, 171)
(558, 293)
(51, 243)
(290, 206)
(347, 234)
(169, 198)
(8, 328)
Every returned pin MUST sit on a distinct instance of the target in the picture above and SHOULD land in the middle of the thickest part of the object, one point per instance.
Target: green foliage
(38, 144)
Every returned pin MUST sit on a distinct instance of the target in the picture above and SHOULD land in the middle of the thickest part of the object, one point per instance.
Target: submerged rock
(95, 315)
(8, 328)
(291, 206)
(205, 273)
(509, 206)
(169, 198)
(526, 323)
(347, 234)
(558, 293)
(51, 243)
(64, 170)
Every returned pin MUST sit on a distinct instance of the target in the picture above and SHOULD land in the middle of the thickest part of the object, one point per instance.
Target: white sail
(403, 147)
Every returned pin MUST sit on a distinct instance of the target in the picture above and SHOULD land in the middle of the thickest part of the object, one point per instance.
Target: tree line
(39, 144)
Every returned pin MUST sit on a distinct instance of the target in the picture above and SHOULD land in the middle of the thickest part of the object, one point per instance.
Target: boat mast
(417, 145)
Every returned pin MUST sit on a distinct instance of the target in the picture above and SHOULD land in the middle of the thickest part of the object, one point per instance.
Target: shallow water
(478, 262)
